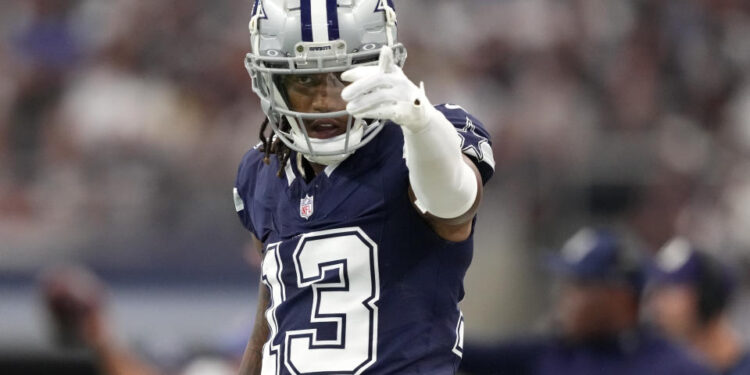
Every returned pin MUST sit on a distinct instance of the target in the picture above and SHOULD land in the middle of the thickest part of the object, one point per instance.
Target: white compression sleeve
(445, 186)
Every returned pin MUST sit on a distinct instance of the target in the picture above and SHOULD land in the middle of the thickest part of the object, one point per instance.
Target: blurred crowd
(122, 123)
(591, 101)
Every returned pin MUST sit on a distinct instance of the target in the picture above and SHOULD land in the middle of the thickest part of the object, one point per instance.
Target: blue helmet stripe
(333, 19)
(306, 21)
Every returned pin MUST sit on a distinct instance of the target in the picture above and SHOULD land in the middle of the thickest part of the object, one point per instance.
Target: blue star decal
(471, 149)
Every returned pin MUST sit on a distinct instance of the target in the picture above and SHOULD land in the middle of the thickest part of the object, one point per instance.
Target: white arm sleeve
(445, 186)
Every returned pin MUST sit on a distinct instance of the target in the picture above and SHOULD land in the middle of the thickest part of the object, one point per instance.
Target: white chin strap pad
(445, 186)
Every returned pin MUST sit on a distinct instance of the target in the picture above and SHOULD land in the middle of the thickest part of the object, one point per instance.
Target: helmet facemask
(269, 63)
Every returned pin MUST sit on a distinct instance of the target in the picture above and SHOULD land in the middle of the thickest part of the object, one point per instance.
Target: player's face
(576, 310)
(673, 308)
(318, 93)
(589, 310)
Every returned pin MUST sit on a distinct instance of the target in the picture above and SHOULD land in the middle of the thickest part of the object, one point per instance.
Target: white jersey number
(341, 268)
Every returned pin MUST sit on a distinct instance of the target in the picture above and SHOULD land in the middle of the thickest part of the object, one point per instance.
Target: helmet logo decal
(320, 20)
(382, 4)
(258, 9)
(306, 207)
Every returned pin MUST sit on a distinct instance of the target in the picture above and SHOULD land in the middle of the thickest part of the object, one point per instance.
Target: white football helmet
(313, 37)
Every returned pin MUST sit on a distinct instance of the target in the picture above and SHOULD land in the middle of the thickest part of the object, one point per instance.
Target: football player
(362, 201)
(597, 328)
(691, 293)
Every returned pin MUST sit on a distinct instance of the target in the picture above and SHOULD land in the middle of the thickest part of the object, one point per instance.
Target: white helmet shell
(313, 37)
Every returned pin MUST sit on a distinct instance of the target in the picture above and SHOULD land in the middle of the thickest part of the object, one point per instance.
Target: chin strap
(445, 186)
(330, 147)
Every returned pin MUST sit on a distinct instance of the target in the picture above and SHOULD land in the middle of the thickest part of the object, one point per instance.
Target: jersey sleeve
(475, 140)
(244, 188)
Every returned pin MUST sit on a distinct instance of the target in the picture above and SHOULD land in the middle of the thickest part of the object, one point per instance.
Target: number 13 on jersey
(339, 269)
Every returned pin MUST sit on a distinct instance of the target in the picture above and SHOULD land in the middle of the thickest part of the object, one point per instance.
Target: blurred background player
(690, 295)
(596, 321)
(76, 302)
(364, 197)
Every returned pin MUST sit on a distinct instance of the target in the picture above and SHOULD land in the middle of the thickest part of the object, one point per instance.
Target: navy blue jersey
(642, 353)
(742, 367)
(359, 282)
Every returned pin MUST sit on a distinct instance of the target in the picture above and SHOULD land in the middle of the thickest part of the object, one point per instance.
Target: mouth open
(325, 128)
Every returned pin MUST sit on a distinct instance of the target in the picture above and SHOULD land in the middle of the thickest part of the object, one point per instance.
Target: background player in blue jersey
(362, 201)
(597, 322)
(691, 293)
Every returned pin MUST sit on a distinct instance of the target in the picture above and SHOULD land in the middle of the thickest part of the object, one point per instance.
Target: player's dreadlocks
(273, 145)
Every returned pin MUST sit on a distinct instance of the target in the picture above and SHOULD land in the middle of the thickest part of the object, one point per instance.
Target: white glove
(445, 186)
(384, 92)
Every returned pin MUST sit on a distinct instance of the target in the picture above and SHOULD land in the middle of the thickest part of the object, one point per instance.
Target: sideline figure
(691, 293)
(362, 201)
(597, 328)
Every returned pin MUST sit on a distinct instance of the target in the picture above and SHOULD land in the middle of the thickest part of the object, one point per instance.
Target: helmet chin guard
(282, 44)
(321, 147)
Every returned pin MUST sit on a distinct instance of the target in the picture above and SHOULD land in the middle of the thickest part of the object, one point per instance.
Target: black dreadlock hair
(272, 145)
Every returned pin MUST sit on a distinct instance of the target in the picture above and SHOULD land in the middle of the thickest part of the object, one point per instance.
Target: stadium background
(122, 123)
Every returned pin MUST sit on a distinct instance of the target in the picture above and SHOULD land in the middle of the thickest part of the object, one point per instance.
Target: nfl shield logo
(306, 207)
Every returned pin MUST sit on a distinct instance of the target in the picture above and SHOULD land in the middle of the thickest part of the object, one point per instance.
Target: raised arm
(445, 185)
